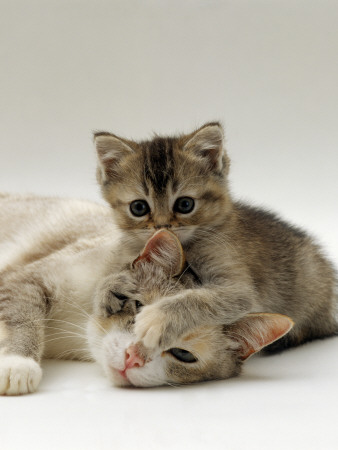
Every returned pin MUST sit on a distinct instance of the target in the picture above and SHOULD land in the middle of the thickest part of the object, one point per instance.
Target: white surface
(269, 71)
(286, 401)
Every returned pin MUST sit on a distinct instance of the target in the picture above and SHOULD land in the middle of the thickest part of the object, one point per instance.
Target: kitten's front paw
(150, 326)
(113, 293)
(18, 375)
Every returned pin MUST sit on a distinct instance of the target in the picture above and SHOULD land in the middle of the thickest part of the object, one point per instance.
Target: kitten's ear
(165, 250)
(206, 145)
(255, 331)
(110, 150)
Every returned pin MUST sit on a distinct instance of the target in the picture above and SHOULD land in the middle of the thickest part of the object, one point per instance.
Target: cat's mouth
(123, 374)
(119, 377)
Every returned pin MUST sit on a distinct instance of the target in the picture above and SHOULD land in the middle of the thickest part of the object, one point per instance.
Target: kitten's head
(203, 353)
(167, 182)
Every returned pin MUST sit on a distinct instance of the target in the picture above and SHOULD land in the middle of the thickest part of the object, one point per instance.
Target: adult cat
(55, 259)
(205, 352)
(247, 259)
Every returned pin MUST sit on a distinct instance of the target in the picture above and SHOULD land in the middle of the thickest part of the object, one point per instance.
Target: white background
(268, 69)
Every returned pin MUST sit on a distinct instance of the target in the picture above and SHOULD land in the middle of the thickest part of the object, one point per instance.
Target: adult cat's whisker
(59, 338)
(84, 313)
(84, 357)
(50, 321)
(76, 325)
(65, 334)
(61, 331)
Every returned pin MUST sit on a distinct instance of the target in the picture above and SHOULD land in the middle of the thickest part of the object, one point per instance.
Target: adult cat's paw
(18, 375)
(150, 326)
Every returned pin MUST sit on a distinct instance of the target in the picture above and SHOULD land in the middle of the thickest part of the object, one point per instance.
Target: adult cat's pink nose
(133, 358)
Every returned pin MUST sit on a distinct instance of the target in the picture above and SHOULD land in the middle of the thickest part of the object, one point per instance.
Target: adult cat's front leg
(23, 308)
(159, 325)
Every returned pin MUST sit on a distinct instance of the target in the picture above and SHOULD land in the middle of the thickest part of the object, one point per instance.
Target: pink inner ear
(152, 246)
(163, 248)
(258, 330)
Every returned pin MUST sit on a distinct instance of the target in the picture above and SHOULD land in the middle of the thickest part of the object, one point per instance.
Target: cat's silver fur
(52, 255)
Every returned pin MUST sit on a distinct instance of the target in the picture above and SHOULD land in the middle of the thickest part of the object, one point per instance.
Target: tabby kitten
(247, 259)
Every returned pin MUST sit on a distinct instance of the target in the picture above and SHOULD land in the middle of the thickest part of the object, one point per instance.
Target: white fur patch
(18, 375)
(115, 345)
(151, 374)
(111, 355)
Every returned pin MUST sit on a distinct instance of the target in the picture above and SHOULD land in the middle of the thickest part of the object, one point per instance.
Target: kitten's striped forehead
(158, 163)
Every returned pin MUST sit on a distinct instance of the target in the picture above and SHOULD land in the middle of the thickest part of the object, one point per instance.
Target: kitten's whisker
(207, 234)
(60, 331)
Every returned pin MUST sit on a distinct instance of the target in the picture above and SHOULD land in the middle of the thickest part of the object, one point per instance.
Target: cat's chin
(117, 378)
(150, 375)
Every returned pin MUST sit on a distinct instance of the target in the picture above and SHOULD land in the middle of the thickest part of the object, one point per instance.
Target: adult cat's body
(53, 253)
(247, 259)
(62, 276)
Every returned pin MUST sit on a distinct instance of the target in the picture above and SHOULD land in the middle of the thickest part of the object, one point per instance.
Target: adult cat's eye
(184, 205)
(182, 355)
(139, 208)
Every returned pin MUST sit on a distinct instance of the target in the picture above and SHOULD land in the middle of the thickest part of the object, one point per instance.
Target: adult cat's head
(179, 183)
(203, 353)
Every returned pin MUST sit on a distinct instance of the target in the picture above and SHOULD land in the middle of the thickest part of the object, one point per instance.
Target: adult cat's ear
(165, 250)
(110, 150)
(206, 145)
(255, 331)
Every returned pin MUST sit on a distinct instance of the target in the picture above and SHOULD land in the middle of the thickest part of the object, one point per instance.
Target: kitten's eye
(139, 208)
(184, 205)
(182, 355)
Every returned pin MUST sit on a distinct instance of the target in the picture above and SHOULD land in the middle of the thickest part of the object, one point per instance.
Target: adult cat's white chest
(75, 279)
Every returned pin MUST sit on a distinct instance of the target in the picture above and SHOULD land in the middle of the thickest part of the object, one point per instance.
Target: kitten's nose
(133, 358)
